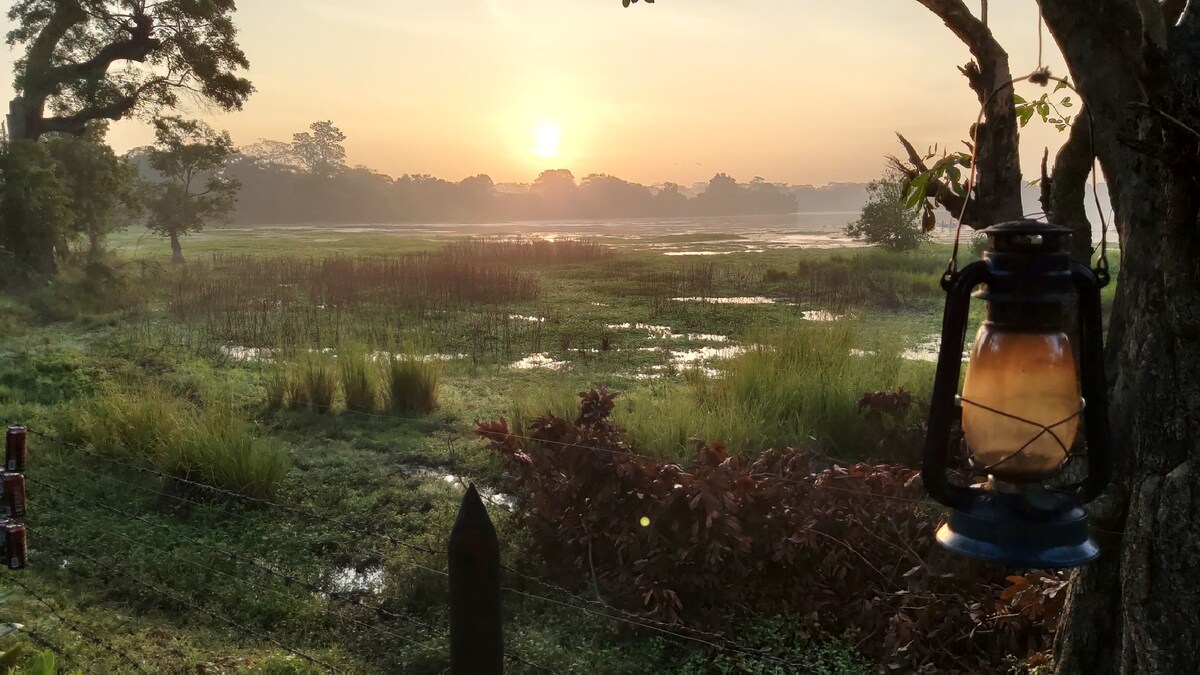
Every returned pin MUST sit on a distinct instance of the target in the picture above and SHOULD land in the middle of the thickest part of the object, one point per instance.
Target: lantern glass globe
(1016, 383)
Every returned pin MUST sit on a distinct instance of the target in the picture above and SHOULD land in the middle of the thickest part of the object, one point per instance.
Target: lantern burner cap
(1020, 526)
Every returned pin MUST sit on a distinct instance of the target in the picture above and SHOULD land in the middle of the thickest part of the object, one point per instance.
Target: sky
(794, 91)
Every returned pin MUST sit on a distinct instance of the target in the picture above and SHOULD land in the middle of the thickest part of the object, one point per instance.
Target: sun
(546, 139)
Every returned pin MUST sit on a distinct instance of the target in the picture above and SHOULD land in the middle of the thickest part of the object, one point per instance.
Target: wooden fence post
(476, 638)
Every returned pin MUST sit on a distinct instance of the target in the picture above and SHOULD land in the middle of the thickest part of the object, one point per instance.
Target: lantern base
(1030, 528)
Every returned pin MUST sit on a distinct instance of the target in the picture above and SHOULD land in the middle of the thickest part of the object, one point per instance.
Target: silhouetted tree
(320, 149)
(87, 60)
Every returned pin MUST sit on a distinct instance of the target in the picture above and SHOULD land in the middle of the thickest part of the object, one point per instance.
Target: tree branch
(1067, 188)
(997, 164)
(36, 85)
(1172, 10)
(941, 192)
(77, 124)
(139, 45)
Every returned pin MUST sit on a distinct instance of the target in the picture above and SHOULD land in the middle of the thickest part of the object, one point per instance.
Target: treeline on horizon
(307, 181)
(272, 194)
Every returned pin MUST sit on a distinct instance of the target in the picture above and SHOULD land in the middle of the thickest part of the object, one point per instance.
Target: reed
(360, 378)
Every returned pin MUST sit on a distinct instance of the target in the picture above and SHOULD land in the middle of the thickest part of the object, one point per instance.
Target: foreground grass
(140, 387)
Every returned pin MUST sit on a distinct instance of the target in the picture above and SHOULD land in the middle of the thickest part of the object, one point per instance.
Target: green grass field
(224, 373)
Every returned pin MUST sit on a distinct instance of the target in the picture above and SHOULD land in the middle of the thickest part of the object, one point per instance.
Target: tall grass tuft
(143, 422)
(796, 386)
(220, 448)
(278, 385)
(316, 382)
(214, 446)
(412, 383)
(360, 377)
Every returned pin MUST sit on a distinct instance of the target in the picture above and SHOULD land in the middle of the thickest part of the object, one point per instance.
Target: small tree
(190, 156)
(886, 219)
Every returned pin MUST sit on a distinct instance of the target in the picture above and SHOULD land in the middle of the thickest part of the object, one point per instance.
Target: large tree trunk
(1137, 64)
(1135, 610)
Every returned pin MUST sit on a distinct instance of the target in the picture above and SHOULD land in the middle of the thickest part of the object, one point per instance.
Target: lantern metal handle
(1092, 381)
(945, 384)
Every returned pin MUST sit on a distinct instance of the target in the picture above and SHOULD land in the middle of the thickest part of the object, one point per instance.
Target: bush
(144, 422)
(887, 220)
(278, 386)
(315, 382)
(359, 378)
(850, 548)
(412, 384)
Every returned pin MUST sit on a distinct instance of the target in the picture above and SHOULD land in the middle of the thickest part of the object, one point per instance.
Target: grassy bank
(345, 410)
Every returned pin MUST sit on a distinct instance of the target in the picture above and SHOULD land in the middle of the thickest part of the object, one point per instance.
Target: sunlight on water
(744, 300)
(821, 315)
(540, 360)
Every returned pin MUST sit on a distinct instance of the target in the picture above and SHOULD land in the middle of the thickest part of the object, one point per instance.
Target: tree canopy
(887, 220)
(320, 149)
(190, 157)
(89, 60)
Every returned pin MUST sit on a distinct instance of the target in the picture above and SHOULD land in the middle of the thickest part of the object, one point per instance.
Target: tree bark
(1134, 611)
(176, 249)
(1137, 65)
(1068, 187)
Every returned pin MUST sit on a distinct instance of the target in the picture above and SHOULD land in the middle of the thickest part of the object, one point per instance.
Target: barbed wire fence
(554, 595)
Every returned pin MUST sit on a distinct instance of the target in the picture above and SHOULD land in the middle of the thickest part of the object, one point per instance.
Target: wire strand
(74, 627)
(190, 605)
(286, 578)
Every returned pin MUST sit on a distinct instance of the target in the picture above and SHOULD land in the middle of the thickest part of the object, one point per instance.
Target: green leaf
(1018, 99)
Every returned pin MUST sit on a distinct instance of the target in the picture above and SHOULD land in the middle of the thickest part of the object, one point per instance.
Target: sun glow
(546, 139)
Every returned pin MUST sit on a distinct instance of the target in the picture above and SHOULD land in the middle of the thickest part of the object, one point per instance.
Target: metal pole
(476, 637)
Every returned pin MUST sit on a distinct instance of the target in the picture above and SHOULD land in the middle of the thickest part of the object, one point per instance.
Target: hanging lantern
(1027, 391)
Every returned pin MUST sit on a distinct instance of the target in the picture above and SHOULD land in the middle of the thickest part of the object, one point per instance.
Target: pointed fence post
(476, 638)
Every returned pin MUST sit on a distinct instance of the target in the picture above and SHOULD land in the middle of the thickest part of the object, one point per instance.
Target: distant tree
(555, 191)
(190, 157)
(266, 152)
(477, 195)
(35, 214)
(670, 200)
(104, 59)
(602, 195)
(101, 187)
(886, 219)
(320, 149)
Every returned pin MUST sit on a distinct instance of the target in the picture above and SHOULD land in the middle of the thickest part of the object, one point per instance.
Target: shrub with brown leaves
(848, 548)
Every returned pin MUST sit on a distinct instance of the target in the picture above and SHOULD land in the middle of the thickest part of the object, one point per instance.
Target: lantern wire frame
(1043, 430)
(1040, 76)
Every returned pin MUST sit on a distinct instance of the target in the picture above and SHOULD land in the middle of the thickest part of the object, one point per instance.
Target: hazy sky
(791, 90)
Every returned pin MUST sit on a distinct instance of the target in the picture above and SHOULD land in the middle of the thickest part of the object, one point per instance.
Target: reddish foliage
(889, 414)
(850, 549)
